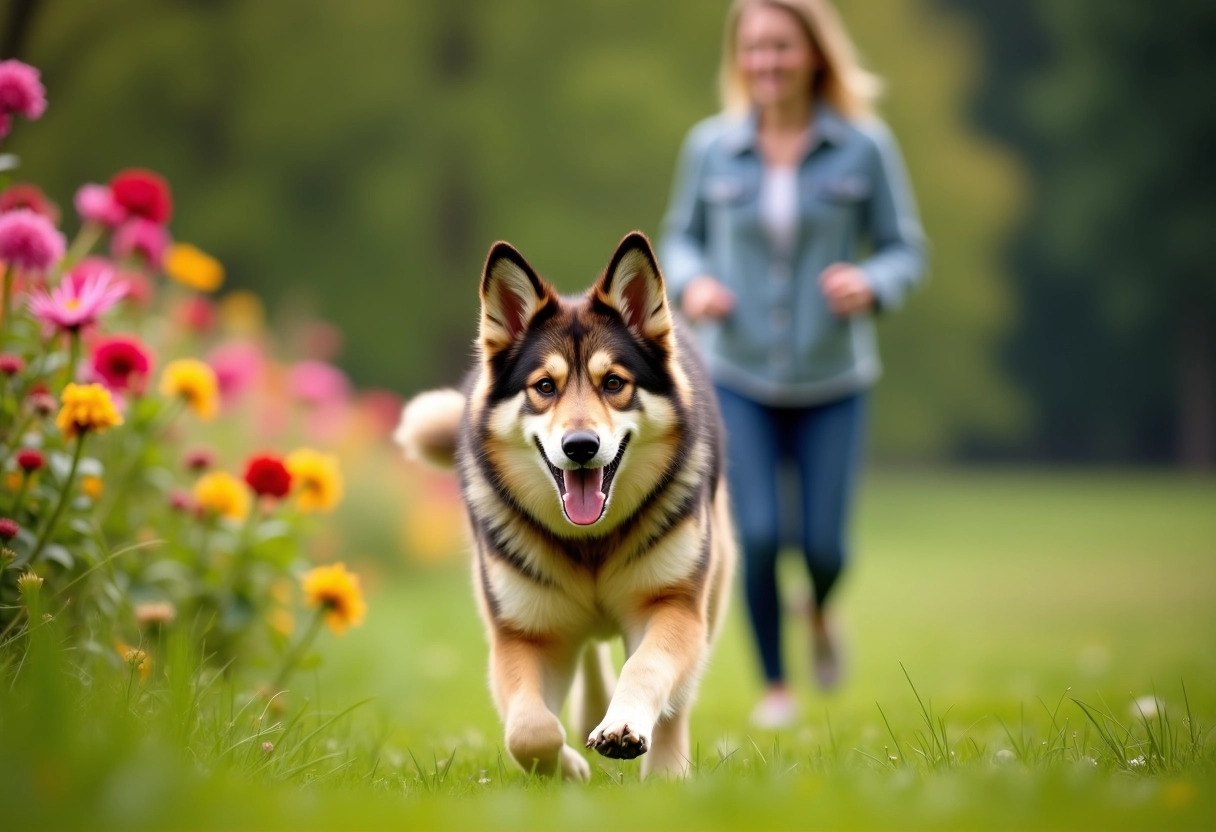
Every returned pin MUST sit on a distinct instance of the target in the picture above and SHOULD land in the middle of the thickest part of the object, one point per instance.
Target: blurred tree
(1117, 340)
(362, 156)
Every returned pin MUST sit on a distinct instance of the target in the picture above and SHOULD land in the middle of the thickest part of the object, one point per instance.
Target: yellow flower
(316, 479)
(86, 407)
(221, 493)
(135, 658)
(29, 582)
(13, 480)
(193, 267)
(92, 486)
(337, 592)
(194, 382)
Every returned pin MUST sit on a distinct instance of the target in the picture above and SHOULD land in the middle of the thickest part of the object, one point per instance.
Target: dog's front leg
(529, 679)
(658, 678)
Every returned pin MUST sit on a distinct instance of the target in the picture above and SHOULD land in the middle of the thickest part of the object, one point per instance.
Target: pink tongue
(583, 499)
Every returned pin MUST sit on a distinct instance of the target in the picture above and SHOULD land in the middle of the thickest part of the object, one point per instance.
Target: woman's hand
(846, 288)
(705, 298)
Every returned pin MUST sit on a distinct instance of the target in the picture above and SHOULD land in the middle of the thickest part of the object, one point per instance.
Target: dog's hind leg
(592, 689)
(669, 755)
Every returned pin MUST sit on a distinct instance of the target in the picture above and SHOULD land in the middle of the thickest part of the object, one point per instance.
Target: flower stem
(11, 442)
(86, 238)
(297, 652)
(6, 279)
(73, 355)
(20, 498)
(63, 501)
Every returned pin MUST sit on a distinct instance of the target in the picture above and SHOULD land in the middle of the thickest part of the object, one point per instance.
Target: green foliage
(361, 157)
(1113, 262)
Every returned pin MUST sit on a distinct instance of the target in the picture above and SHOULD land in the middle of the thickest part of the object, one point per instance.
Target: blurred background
(355, 160)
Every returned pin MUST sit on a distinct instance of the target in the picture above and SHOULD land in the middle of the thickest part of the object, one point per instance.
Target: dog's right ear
(512, 294)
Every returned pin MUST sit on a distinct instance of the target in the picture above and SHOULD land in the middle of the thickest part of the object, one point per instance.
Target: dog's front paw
(619, 739)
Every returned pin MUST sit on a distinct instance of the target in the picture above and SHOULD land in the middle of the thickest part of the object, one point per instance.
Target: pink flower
(143, 237)
(26, 195)
(238, 365)
(77, 302)
(89, 267)
(318, 383)
(122, 363)
(96, 203)
(20, 90)
(11, 364)
(29, 240)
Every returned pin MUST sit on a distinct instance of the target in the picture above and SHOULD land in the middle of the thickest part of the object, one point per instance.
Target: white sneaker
(778, 709)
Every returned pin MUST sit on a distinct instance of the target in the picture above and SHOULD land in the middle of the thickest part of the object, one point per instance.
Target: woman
(762, 247)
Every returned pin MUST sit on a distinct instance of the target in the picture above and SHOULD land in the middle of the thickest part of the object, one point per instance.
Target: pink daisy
(29, 240)
(122, 363)
(20, 91)
(143, 237)
(96, 203)
(77, 302)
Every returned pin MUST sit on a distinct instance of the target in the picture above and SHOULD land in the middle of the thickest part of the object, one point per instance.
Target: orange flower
(337, 592)
(193, 267)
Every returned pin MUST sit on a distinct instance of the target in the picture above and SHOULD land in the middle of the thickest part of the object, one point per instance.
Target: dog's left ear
(633, 286)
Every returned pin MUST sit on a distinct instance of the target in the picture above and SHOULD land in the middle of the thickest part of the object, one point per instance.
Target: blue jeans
(823, 445)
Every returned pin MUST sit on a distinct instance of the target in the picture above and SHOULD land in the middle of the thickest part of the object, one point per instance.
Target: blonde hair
(839, 78)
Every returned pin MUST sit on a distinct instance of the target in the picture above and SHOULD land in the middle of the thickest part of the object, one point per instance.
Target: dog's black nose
(580, 445)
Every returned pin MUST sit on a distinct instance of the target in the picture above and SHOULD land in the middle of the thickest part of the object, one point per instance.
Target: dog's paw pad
(620, 742)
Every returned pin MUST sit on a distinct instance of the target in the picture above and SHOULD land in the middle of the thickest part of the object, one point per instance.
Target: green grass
(1000, 627)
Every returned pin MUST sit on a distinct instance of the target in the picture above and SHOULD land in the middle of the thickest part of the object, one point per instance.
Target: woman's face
(775, 55)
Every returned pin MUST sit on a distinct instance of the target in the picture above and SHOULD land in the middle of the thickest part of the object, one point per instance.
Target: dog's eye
(613, 383)
(546, 387)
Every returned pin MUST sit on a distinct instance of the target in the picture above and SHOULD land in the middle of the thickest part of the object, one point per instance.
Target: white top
(779, 206)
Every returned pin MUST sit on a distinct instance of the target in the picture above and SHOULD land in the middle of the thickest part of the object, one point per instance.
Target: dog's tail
(429, 425)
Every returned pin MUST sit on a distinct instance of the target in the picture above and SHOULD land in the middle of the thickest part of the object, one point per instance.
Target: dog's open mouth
(584, 491)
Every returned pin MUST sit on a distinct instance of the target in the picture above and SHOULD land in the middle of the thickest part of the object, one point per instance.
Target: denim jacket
(781, 344)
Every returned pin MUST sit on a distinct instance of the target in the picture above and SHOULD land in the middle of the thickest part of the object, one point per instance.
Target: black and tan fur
(612, 370)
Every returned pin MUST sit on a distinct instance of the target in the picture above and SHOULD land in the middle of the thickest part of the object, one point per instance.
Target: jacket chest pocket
(842, 190)
(726, 190)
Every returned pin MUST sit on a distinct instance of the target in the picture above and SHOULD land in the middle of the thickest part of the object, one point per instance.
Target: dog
(589, 451)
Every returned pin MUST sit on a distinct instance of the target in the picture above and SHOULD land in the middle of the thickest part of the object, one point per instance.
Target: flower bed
(117, 529)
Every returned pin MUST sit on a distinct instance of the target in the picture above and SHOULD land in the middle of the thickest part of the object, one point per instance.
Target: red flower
(29, 460)
(143, 193)
(8, 529)
(25, 195)
(268, 476)
(122, 363)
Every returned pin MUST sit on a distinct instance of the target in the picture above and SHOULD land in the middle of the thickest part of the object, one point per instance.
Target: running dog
(589, 451)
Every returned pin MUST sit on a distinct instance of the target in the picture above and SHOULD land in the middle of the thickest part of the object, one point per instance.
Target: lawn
(987, 611)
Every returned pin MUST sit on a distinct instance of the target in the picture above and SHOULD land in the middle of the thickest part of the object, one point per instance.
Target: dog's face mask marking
(578, 387)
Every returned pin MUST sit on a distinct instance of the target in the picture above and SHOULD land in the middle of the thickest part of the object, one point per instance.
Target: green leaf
(58, 554)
